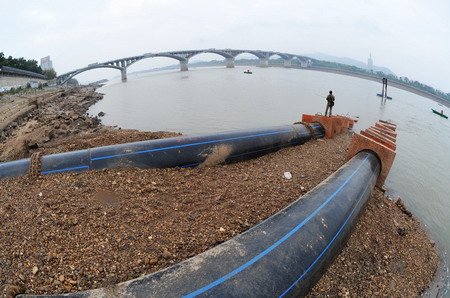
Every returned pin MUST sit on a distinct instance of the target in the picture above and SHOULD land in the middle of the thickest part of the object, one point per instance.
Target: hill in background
(348, 61)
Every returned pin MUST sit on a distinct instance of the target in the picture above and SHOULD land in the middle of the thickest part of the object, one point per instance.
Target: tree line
(381, 74)
(28, 65)
(20, 63)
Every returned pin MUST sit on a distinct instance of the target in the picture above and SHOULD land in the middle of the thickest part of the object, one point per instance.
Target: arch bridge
(183, 57)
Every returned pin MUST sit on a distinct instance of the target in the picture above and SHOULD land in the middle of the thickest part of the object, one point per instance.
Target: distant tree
(20, 63)
(72, 82)
(50, 74)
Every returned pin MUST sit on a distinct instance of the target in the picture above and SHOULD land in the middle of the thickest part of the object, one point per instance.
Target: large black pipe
(172, 152)
(283, 256)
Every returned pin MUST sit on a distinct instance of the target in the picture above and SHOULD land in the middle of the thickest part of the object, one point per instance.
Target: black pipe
(284, 255)
(172, 152)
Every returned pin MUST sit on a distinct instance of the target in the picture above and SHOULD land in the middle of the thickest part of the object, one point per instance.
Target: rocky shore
(70, 232)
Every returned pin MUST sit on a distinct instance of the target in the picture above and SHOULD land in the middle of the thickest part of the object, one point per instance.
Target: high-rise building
(46, 63)
(370, 63)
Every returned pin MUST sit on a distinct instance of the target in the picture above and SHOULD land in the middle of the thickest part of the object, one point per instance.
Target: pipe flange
(309, 127)
(35, 164)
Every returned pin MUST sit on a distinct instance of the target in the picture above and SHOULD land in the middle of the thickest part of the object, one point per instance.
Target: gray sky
(412, 37)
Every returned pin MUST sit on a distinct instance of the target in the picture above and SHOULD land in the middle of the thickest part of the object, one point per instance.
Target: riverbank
(70, 232)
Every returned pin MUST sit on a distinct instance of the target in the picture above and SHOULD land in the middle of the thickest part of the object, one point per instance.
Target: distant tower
(46, 63)
(370, 63)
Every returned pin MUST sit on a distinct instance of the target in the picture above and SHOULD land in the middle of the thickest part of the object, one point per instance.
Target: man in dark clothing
(330, 102)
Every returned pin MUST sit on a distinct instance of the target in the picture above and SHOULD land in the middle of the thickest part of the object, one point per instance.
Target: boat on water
(381, 95)
(440, 113)
(248, 72)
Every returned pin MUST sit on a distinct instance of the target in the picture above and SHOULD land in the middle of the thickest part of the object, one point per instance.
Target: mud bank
(54, 121)
(71, 232)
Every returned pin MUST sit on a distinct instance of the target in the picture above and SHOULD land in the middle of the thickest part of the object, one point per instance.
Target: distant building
(46, 63)
(370, 63)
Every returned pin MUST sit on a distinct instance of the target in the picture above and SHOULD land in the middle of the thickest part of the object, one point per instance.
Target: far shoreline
(376, 79)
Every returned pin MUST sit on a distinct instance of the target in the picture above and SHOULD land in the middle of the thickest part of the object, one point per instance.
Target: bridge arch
(184, 56)
(67, 77)
(183, 61)
(281, 55)
(218, 52)
(255, 53)
(229, 58)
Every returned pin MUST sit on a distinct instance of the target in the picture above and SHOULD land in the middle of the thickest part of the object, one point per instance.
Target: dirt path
(70, 232)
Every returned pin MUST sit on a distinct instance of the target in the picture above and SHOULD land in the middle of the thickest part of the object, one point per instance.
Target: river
(206, 100)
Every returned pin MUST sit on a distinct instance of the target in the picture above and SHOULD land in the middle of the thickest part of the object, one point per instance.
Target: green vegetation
(29, 65)
(20, 63)
(379, 74)
(50, 74)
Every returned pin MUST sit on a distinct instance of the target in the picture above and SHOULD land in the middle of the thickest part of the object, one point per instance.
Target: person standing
(330, 103)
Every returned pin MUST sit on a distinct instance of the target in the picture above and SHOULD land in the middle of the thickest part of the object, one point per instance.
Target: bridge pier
(287, 62)
(123, 72)
(263, 62)
(229, 62)
(184, 65)
(304, 63)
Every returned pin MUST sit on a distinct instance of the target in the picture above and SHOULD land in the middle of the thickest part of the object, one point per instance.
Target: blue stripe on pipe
(63, 170)
(331, 242)
(171, 147)
(276, 244)
(189, 145)
(242, 154)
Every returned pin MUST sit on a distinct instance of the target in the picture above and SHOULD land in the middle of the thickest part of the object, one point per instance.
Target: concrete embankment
(6, 81)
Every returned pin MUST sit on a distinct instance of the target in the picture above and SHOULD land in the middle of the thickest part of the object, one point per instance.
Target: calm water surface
(209, 100)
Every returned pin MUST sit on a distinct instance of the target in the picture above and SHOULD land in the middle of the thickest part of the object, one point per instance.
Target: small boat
(248, 72)
(440, 114)
(381, 95)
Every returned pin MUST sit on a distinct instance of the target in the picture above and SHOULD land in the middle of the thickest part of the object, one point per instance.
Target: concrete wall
(6, 81)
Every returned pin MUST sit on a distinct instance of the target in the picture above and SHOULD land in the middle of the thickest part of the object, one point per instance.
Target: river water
(207, 100)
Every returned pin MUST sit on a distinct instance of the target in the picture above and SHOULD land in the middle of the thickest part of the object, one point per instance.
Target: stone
(153, 261)
(402, 231)
(166, 254)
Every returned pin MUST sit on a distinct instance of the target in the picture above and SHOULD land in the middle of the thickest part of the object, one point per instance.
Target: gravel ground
(93, 229)
(71, 232)
(388, 254)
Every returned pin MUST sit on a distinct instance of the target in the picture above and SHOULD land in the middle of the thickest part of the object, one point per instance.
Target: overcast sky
(412, 37)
